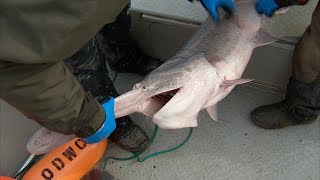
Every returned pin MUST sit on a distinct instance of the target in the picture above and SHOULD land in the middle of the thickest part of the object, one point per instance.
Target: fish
(197, 77)
(201, 73)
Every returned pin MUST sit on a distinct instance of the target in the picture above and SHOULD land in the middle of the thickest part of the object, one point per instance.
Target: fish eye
(136, 85)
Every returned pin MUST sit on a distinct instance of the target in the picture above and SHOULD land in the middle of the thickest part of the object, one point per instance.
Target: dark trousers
(306, 56)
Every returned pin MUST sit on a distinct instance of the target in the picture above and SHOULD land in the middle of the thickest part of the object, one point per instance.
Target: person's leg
(302, 102)
(36, 37)
(121, 50)
(89, 67)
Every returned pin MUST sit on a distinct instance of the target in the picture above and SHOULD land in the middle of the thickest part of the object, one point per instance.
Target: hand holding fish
(212, 7)
(268, 7)
(201, 73)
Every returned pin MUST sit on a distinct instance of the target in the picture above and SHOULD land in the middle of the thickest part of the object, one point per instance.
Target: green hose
(151, 155)
(136, 156)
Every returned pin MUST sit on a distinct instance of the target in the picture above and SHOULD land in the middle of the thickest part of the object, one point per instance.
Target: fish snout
(128, 103)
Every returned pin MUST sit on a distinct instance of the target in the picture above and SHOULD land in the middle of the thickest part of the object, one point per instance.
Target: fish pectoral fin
(263, 38)
(213, 112)
(228, 83)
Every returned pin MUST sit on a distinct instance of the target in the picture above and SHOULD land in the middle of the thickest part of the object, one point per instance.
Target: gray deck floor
(232, 148)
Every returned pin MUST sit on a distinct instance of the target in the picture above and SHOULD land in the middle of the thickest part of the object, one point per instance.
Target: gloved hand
(107, 127)
(268, 7)
(213, 5)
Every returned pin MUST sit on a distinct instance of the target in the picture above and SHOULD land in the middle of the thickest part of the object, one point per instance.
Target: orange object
(70, 161)
(6, 178)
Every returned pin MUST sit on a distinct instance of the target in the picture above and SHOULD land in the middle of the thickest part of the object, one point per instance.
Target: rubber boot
(300, 106)
(302, 102)
(89, 67)
(121, 51)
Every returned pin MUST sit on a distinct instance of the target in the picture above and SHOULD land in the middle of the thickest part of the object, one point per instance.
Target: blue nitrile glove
(107, 127)
(213, 5)
(267, 7)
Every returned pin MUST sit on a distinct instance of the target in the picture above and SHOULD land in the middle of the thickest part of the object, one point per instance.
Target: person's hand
(268, 7)
(212, 7)
(107, 127)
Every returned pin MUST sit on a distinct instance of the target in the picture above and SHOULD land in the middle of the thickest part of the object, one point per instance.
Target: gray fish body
(202, 73)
